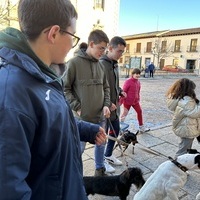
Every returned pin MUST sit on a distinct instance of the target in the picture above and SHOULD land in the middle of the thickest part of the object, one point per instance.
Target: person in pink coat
(132, 88)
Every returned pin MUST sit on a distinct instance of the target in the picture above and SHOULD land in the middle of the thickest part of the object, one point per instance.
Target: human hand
(124, 94)
(113, 107)
(106, 111)
(100, 137)
(79, 112)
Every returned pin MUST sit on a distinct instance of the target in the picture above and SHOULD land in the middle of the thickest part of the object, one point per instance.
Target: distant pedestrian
(132, 89)
(182, 100)
(151, 68)
(146, 72)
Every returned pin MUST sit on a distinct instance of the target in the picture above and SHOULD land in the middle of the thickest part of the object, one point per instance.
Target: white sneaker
(109, 168)
(143, 129)
(113, 160)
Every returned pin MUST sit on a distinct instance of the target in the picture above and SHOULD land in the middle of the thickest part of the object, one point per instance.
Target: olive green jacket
(86, 87)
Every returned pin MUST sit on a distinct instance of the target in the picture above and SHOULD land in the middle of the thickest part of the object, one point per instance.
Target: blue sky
(140, 16)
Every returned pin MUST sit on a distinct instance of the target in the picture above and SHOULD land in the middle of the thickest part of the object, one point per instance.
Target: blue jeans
(98, 150)
(184, 144)
(111, 143)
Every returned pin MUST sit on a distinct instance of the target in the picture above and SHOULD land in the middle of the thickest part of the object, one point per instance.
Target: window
(99, 4)
(177, 46)
(138, 47)
(127, 48)
(193, 45)
(164, 46)
(149, 46)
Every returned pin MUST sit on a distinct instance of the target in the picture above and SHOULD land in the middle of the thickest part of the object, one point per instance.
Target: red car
(173, 68)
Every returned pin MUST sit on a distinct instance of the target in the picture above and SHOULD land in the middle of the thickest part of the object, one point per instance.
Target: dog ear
(197, 160)
(137, 132)
(192, 151)
(124, 176)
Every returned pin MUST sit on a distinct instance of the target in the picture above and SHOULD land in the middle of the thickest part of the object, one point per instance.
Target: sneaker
(100, 172)
(143, 129)
(113, 160)
(109, 168)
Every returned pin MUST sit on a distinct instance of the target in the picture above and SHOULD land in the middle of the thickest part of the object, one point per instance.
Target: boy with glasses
(40, 156)
(87, 89)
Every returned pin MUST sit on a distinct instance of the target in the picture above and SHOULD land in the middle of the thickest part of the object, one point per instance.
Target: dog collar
(183, 168)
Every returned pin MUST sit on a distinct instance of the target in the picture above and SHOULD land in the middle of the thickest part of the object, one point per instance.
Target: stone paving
(160, 139)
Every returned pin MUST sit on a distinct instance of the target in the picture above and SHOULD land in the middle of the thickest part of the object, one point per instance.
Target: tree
(161, 49)
(8, 13)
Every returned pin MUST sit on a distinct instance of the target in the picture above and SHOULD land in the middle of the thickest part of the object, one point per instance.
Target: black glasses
(75, 38)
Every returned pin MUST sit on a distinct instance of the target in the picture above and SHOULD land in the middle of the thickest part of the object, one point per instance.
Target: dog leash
(112, 128)
(183, 168)
(146, 149)
(116, 140)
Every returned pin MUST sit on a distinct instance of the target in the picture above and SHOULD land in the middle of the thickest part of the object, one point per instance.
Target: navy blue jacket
(151, 67)
(40, 155)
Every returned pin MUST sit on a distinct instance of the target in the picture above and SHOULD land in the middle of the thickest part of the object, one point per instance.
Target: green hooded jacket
(86, 87)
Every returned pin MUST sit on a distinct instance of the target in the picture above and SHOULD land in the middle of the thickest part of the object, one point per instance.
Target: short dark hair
(136, 71)
(98, 36)
(83, 45)
(115, 41)
(36, 15)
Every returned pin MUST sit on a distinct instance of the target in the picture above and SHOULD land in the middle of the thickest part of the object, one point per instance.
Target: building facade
(176, 47)
(96, 14)
(92, 14)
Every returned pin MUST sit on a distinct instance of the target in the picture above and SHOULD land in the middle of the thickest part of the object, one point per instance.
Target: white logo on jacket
(48, 95)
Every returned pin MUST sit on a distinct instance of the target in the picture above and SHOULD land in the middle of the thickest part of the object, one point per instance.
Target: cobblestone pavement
(160, 139)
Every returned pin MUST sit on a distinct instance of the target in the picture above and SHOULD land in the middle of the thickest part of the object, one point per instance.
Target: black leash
(111, 127)
(183, 168)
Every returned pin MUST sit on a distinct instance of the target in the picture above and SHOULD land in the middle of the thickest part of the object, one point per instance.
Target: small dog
(168, 179)
(127, 137)
(118, 185)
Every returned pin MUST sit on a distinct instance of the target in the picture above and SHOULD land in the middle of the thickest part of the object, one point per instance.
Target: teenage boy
(116, 48)
(87, 90)
(40, 155)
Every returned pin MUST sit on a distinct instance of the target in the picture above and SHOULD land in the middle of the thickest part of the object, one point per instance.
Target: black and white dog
(128, 137)
(168, 178)
(118, 185)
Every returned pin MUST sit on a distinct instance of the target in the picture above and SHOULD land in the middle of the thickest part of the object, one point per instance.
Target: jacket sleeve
(106, 87)
(192, 113)
(16, 135)
(126, 86)
(172, 103)
(87, 131)
(68, 79)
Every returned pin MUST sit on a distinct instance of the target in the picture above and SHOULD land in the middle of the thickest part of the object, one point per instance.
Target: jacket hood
(13, 39)
(113, 62)
(82, 53)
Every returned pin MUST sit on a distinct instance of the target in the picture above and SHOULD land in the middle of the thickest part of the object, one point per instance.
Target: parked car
(173, 68)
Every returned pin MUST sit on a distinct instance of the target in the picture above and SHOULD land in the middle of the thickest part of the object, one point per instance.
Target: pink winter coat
(132, 88)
